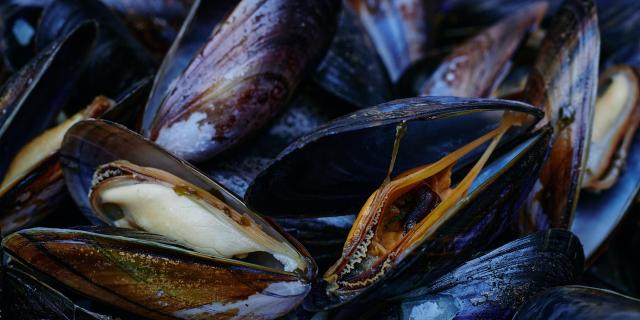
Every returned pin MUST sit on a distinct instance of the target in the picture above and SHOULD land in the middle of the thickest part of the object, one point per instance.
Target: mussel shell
(335, 168)
(461, 19)
(577, 302)
(476, 67)
(40, 88)
(324, 237)
(92, 143)
(242, 76)
(149, 275)
(400, 30)
(118, 60)
(619, 25)
(352, 69)
(480, 221)
(563, 82)
(616, 268)
(203, 16)
(494, 285)
(599, 213)
(29, 297)
(155, 23)
(18, 26)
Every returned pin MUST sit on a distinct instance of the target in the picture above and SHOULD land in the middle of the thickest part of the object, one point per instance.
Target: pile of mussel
(322, 159)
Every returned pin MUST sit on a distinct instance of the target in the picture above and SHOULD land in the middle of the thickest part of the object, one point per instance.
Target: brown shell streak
(246, 72)
(474, 68)
(147, 280)
(563, 83)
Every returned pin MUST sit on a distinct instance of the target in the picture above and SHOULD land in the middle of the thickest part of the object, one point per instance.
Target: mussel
(33, 185)
(352, 68)
(231, 260)
(493, 285)
(475, 68)
(31, 178)
(392, 245)
(578, 302)
(399, 29)
(241, 77)
(117, 62)
(563, 83)
(612, 172)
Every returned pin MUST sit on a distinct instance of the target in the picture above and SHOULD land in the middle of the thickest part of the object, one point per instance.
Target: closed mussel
(240, 77)
(439, 190)
(239, 262)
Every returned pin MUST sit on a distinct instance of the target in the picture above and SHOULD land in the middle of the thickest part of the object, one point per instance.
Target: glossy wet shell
(563, 83)
(140, 273)
(353, 152)
(494, 285)
(475, 223)
(242, 76)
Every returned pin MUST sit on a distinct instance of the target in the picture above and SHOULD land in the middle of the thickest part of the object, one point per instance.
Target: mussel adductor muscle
(578, 302)
(563, 82)
(335, 168)
(41, 88)
(242, 76)
(118, 60)
(495, 284)
(152, 278)
(475, 223)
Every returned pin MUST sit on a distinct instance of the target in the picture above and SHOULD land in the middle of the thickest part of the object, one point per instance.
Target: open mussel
(493, 285)
(615, 121)
(31, 178)
(475, 68)
(612, 170)
(241, 76)
(33, 185)
(563, 83)
(402, 234)
(120, 179)
(578, 302)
